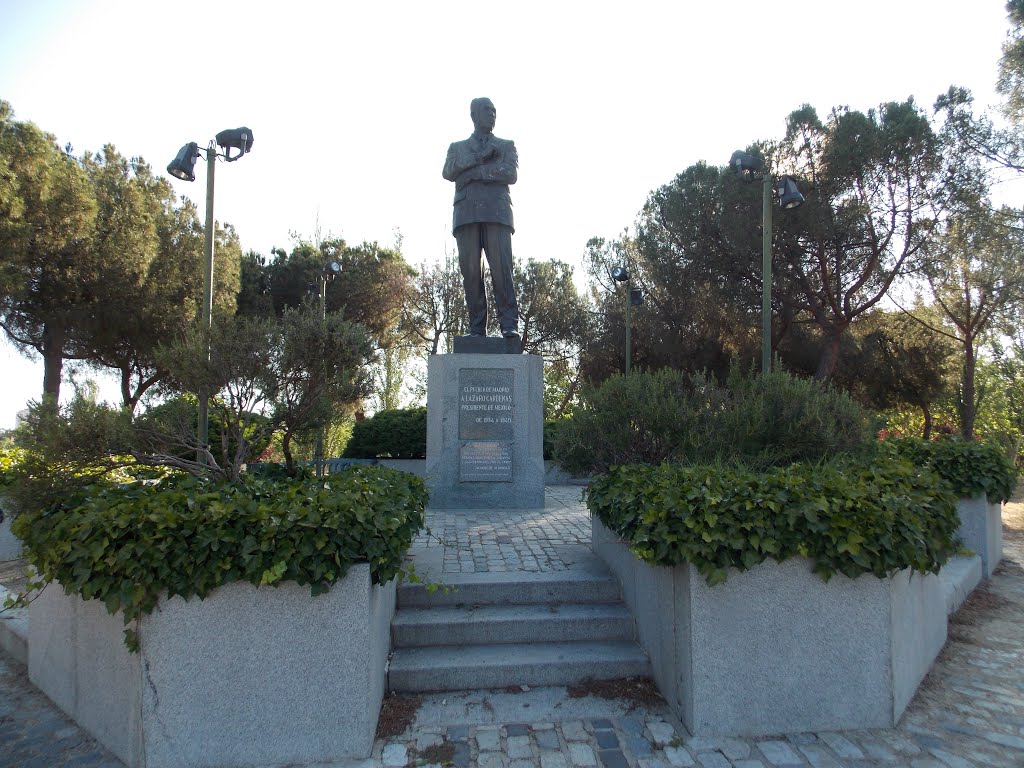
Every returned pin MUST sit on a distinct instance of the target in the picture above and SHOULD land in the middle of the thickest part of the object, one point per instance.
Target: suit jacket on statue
(482, 167)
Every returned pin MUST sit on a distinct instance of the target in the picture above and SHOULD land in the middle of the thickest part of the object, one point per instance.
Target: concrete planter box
(981, 530)
(10, 545)
(246, 677)
(777, 650)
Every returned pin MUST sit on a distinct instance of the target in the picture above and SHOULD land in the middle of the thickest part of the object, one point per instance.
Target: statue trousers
(496, 241)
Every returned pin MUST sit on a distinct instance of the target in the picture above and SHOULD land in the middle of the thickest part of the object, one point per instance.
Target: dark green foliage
(848, 517)
(551, 430)
(649, 418)
(272, 470)
(181, 415)
(871, 181)
(397, 434)
(10, 458)
(777, 419)
(970, 467)
(186, 536)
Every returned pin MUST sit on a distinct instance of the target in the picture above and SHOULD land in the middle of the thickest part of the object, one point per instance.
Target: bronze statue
(482, 167)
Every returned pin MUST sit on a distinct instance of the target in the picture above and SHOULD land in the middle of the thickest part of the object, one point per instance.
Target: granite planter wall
(776, 649)
(246, 677)
(981, 530)
(10, 545)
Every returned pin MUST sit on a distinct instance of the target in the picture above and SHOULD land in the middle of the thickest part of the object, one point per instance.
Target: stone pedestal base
(485, 431)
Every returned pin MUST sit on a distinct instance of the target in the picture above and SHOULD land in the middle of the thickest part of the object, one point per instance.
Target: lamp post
(747, 167)
(331, 270)
(634, 296)
(183, 167)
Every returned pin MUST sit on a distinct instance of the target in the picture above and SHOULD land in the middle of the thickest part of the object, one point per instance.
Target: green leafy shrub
(10, 459)
(850, 516)
(186, 536)
(776, 419)
(551, 429)
(970, 467)
(641, 418)
(395, 434)
(180, 415)
(678, 417)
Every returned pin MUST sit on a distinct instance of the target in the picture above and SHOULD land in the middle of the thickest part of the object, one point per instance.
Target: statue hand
(488, 153)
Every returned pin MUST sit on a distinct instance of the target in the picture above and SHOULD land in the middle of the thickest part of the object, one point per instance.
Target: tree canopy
(876, 186)
(100, 263)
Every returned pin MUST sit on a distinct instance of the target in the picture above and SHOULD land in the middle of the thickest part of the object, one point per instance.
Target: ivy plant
(133, 545)
(850, 517)
(971, 467)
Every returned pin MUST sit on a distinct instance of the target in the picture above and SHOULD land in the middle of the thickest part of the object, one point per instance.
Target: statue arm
(504, 170)
(459, 160)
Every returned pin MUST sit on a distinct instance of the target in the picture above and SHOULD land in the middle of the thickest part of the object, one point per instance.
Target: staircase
(513, 629)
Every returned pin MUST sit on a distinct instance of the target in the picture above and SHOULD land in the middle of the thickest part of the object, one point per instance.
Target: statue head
(483, 113)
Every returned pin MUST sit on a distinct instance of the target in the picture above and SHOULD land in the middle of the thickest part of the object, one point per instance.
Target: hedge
(127, 546)
(970, 467)
(758, 420)
(849, 517)
(396, 434)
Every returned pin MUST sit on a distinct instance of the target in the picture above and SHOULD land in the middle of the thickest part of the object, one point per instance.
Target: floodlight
(235, 138)
(745, 165)
(332, 269)
(184, 164)
(620, 274)
(789, 195)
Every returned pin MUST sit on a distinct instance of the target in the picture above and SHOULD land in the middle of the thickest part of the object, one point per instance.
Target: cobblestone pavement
(968, 713)
(550, 539)
(36, 734)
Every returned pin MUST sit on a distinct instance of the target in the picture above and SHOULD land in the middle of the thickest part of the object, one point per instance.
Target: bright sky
(352, 105)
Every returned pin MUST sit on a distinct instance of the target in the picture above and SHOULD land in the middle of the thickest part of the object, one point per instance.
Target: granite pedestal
(485, 431)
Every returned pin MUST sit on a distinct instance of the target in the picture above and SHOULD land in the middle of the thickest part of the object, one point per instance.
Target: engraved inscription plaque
(485, 404)
(485, 461)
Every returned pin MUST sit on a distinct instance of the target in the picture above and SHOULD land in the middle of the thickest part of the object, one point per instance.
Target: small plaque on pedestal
(488, 462)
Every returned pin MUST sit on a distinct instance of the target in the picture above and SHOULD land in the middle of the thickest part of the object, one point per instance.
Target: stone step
(557, 622)
(515, 589)
(462, 667)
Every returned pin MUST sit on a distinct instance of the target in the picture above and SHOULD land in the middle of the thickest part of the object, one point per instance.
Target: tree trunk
(968, 407)
(569, 392)
(926, 433)
(829, 356)
(53, 362)
(286, 449)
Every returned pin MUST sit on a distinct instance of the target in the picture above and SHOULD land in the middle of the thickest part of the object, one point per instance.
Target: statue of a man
(482, 167)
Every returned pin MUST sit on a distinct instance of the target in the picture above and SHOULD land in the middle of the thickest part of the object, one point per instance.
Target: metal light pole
(748, 167)
(629, 329)
(766, 276)
(621, 275)
(331, 270)
(203, 435)
(318, 451)
(183, 167)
